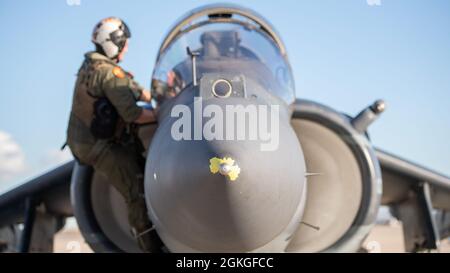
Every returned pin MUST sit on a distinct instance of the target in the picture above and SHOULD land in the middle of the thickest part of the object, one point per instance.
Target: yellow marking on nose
(225, 166)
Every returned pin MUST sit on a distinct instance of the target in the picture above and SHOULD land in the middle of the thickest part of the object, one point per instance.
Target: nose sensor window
(222, 88)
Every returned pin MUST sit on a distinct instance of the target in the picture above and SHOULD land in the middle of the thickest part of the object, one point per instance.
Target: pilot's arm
(140, 93)
(123, 93)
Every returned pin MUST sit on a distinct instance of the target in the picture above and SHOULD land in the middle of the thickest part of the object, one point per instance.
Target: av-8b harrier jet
(311, 182)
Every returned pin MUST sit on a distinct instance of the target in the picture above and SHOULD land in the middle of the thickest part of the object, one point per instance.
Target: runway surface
(383, 238)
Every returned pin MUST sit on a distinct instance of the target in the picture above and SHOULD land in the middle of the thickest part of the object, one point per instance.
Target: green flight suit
(120, 161)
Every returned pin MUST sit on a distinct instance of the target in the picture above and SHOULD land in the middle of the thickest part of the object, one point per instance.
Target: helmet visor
(126, 30)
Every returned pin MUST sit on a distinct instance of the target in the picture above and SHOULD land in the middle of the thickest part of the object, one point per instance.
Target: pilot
(104, 112)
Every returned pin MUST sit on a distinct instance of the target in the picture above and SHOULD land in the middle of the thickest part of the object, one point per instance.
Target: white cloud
(12, 158)
(14, 169)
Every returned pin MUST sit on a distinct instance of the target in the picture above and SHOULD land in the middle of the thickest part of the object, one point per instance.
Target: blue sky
(344, 54)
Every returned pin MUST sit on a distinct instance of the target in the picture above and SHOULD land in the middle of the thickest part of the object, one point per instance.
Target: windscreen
(228, 47)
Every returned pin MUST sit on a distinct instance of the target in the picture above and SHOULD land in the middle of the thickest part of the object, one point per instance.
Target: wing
(42, 205)
(418, 197)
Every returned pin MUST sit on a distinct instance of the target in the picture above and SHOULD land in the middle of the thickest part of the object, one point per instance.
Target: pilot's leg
(147, 238)
(124, 168)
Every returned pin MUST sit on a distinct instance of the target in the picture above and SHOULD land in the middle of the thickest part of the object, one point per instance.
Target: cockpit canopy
(226, 39)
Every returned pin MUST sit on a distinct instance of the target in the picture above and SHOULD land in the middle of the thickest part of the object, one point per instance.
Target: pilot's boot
(149, 241)
(143, 230)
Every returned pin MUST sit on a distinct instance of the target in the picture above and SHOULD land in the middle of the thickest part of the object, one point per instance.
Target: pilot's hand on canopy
(145, 96)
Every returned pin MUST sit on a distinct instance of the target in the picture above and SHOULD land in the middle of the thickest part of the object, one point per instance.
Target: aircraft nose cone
(223, 195)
